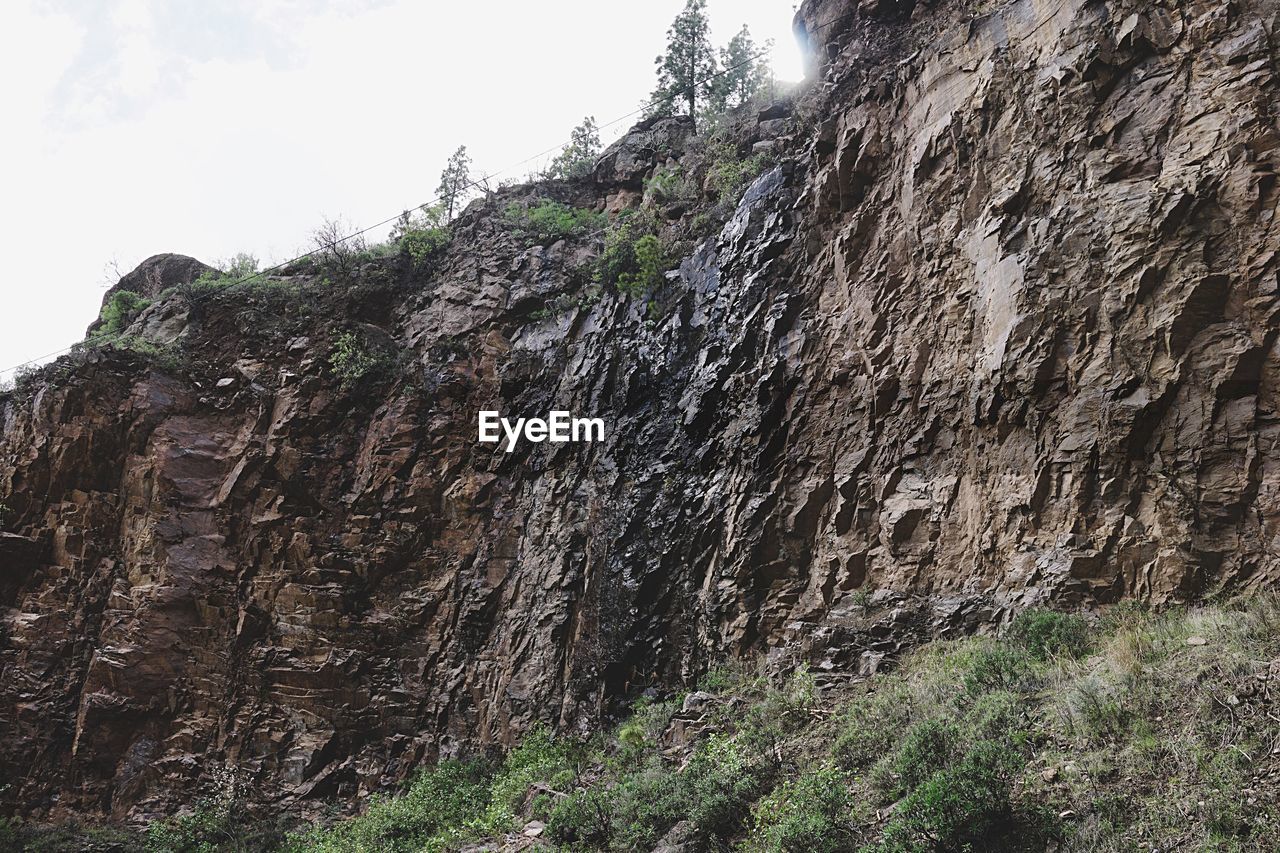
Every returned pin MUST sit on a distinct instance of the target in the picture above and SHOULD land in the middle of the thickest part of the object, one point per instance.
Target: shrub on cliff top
(422, 234)
(119, 311)
(577, 158)
(548, 221)
(233, 270)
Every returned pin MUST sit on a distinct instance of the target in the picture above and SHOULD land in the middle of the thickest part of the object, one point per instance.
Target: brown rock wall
(999, 327)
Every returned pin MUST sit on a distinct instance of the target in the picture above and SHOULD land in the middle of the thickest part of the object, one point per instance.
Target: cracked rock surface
(999, 327)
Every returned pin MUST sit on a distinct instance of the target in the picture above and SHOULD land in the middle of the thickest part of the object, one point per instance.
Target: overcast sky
(210, 128)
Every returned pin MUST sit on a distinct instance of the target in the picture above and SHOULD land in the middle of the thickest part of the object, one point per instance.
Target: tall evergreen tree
(579, 155)
(455, 182)
(746, 70)
(688, 63)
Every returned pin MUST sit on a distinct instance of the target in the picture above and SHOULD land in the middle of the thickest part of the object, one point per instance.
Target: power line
(481, 183)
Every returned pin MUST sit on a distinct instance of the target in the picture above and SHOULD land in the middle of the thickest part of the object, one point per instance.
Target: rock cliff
(998, 326)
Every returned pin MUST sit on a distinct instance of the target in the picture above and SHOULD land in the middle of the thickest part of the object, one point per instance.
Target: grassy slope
(1138, 732)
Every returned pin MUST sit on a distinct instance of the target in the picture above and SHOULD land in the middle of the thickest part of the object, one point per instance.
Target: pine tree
(579, 155)
(684, 71)
(455, 182)
(746, 71)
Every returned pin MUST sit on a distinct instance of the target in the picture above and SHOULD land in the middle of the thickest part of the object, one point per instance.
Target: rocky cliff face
(999, 326)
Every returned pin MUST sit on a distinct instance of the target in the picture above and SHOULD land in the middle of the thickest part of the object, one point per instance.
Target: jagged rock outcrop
(999, 326)
(158, 273)
(154, 276)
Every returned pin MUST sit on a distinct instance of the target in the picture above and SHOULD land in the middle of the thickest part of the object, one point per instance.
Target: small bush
(1100, 715)
(722, 679)
(639, 734)
(339, 247)
(353, 361)
(164, 356)
(1047, 633)
(722, 780)
(549, 221)
(871, 725)
(645, 805)
(540, 760)
(650, 264)
(120, 310)
(434, 814)
(669, 186)
(619, 256)
(964, 807)
(233, 270)
(455, 803)
(642, 798)
(212, 825)
(996, 667)
(420, 244)
(422, 235)
(999, 715)
(635, 257)
(583, 819)
(811, 813)
(927, 748)
(730, 174)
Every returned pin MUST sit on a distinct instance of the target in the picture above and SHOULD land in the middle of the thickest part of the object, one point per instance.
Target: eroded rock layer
(999, 326)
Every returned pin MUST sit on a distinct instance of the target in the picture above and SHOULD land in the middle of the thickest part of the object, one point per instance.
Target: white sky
(145, 126)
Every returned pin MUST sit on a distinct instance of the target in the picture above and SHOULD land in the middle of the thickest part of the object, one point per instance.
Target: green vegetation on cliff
(1138, 731)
